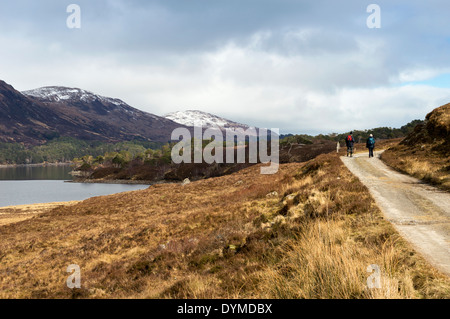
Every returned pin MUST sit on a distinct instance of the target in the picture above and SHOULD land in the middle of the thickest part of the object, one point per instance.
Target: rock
(272, 194)
(185, 181)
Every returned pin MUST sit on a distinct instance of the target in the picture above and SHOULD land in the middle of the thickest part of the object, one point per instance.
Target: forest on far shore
(65, 149)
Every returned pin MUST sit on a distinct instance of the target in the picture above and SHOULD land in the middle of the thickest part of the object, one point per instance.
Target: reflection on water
(60, 172)
(29, 185)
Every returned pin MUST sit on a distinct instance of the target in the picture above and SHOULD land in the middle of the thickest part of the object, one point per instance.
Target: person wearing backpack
(370, 144)
(350, 141)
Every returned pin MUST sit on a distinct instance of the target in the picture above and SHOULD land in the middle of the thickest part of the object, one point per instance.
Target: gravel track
(420, 212)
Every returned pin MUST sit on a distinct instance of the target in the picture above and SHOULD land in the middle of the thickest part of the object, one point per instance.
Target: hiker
(349, 141)
(370, 144)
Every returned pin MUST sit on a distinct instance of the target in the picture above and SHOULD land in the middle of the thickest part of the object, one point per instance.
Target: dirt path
(420, 213)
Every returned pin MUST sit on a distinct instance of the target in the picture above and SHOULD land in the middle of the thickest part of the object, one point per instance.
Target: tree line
(65, 149)
(359, 135)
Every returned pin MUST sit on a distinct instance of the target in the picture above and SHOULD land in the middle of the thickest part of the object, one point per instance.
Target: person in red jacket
(350, 141)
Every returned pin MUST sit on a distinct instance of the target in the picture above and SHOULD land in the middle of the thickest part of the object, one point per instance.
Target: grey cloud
(319, 46)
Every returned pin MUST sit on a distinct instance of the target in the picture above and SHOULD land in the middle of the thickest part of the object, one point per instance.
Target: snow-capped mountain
(34, 116)
(203, 119)
(84, 100)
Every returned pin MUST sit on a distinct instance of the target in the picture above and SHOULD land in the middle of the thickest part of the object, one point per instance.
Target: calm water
(36, 173)
(28, 185)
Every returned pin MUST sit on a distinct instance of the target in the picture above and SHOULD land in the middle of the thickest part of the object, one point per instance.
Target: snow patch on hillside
(59, 93)
(203, 119)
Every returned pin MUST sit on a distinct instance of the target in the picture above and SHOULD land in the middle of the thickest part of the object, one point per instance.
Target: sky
(300, 66)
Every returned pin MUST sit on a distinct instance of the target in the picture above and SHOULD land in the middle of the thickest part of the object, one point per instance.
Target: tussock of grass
(313, 237)
(323, 263)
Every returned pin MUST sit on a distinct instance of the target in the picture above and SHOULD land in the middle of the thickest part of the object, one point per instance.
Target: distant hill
(36, 116)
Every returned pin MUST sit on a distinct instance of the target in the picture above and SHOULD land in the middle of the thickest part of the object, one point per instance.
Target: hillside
(36, 116)
(425, 152)
(309, 231)
(25, 120)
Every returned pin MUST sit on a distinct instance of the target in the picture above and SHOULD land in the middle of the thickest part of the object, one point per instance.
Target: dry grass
(421, 162)
(309, 231)
(323, 263)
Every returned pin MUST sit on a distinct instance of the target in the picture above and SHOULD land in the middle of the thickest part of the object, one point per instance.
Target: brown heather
(309, 231)
(425, 153)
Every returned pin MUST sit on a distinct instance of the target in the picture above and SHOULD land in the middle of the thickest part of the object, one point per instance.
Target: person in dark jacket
(350, 141)
(370, 144)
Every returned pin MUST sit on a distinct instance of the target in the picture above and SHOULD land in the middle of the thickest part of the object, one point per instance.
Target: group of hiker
(350, 141)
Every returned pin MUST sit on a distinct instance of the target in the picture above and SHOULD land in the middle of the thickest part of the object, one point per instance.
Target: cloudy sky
(300, 66)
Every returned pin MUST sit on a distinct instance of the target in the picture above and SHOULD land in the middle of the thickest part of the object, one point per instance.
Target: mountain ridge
(34, 116)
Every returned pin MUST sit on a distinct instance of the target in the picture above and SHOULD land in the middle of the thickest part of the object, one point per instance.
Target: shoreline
(119, 181)
(35, 165)
(18, 213)
(114, 181)
(39, 205)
